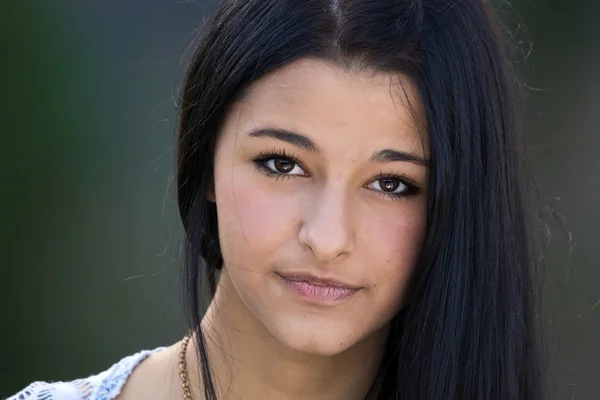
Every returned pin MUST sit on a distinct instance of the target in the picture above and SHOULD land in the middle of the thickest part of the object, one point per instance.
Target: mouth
(319, 291)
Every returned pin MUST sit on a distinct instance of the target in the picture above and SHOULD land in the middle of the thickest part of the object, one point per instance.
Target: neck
(247, 362)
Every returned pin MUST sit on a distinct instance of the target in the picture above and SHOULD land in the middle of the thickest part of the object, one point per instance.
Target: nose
(327, 227)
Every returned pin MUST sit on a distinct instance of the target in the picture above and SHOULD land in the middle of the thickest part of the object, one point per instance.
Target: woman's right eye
(281, 166)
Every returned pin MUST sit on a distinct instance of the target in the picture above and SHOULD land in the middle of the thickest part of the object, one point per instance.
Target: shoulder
(104, 386)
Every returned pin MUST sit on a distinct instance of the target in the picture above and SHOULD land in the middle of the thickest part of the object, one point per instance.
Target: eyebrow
(296, 139)
(390, 155)
(286, 136)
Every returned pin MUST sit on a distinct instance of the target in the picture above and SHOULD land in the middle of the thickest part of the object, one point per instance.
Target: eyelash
(411, 188)
(264, 156)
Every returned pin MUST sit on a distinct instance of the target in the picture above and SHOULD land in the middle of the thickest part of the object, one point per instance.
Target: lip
(319, 291)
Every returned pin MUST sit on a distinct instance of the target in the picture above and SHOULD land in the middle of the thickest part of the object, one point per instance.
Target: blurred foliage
(89, 231)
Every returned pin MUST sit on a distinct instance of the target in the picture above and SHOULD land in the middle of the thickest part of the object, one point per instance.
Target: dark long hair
(470, 330)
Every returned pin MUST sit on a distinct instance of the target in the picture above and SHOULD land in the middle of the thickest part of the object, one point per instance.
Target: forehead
(336, 107)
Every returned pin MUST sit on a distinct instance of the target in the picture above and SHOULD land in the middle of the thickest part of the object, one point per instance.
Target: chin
(311, 345)
(318, 337)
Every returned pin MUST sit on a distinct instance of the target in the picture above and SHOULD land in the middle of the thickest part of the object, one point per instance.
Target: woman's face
(320, 186)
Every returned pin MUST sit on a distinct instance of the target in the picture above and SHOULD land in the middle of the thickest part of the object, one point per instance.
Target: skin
(331, 218)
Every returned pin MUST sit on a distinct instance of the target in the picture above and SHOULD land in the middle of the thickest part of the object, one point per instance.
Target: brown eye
(389, 184)
(283, 166)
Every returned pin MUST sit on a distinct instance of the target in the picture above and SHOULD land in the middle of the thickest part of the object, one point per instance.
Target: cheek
(254, 219)
(394, 244)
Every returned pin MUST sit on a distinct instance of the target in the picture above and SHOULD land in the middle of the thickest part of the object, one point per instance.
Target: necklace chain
(185, 385)
(183, 378)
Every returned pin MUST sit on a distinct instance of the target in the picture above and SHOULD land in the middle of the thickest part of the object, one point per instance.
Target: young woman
(350, 182)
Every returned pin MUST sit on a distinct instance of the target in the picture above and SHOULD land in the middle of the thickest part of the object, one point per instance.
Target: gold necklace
(185, 385)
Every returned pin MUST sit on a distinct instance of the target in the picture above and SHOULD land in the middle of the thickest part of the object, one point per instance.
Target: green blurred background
(90, 239)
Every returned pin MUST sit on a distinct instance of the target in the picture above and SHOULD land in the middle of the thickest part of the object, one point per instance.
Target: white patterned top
(104, 386)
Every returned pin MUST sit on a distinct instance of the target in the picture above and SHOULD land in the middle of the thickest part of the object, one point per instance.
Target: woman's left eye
(390, 185)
